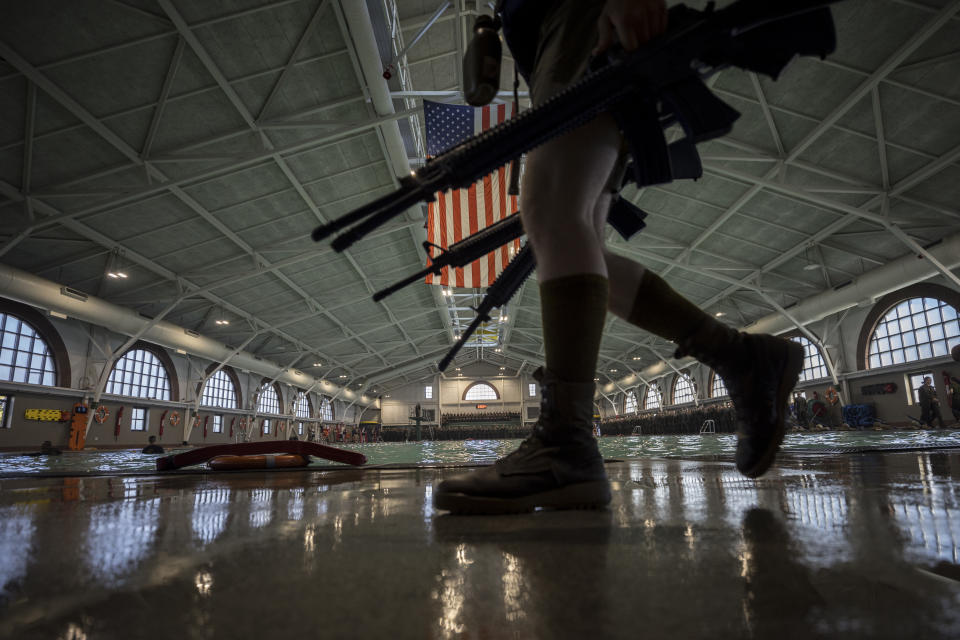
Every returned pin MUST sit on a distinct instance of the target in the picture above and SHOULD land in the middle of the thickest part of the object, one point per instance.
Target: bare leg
(561, 186)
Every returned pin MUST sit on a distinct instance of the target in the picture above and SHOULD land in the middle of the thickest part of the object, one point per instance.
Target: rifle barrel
(383, 293)
(447, 359)
(464, 252)
(392, 206)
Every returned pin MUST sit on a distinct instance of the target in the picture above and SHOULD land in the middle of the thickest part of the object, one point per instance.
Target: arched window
(302, 407)
(717, 388)
(914, 329)
(630, 404)
(139, 374)
(814, 367)
(268, 400)
(220, 392)
(652, 399)
(24, 355)
(481, 391)
(683, 389)
(326, 410)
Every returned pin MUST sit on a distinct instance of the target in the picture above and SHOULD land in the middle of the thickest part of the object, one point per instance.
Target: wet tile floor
(859, 545)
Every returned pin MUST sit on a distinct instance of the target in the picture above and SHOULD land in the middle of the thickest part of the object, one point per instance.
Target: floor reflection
(862, 545)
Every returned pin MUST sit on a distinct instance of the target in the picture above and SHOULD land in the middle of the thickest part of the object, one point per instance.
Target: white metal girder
(164, 96)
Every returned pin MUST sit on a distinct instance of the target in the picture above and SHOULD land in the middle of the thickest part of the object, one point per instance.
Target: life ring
(281, 461)
(101, 414)
(174, 419)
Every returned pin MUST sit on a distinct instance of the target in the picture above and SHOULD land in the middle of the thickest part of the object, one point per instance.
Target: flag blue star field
(458, 214)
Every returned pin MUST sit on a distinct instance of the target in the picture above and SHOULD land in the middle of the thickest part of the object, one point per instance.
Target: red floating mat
(296, 447)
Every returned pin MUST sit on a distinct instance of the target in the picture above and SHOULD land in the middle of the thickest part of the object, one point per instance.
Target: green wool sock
(664, 312)
(573, 309)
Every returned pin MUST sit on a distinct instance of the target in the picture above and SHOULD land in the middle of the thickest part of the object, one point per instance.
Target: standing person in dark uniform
(834, 409)
(567, 190)
(955, 398)
(929, 403)
(800, 409)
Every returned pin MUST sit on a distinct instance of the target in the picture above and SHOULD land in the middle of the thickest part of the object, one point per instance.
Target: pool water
(458, 452)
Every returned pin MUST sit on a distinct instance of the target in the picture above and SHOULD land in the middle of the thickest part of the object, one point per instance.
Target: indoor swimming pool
(474, 452)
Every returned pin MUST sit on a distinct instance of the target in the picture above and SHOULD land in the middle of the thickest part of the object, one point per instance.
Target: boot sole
(583, 495)
(789, 379)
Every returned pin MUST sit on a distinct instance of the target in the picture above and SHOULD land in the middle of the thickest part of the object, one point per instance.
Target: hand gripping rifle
(645, 90)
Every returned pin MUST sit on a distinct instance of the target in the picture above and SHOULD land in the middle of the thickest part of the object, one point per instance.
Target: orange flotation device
(269, 461)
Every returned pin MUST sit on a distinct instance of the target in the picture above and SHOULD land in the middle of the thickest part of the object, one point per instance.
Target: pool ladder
(709, 426)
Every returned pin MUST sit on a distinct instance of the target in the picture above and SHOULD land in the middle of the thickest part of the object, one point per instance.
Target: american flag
(456, 215)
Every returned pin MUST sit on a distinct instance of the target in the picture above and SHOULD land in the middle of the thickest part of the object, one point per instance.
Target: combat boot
(558, 466)
(759, 372)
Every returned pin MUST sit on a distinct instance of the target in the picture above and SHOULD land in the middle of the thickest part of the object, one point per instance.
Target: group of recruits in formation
(567, 190)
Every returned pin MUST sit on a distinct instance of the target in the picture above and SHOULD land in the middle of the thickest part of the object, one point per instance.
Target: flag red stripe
(431, 216)
(474, 227)
(442, 204)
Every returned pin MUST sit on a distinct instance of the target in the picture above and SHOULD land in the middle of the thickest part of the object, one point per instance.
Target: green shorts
(565, 41)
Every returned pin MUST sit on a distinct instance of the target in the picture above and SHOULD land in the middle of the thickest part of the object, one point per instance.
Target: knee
(542, 227)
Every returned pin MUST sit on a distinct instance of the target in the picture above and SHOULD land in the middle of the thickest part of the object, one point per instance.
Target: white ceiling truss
(199, 144)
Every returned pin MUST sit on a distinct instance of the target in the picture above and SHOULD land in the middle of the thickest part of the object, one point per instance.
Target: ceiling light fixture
(719, 314)
(318, 364)
(114, 266)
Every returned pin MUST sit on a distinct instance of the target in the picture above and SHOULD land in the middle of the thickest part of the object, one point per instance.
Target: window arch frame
(713, 383)
(653, 386)
(477, 383)
(803, 340)
(673, 388)
(296, 405)
(234, 378)
(48, 333)
(326, 403)
(626, 403)
(888, 302)
(165, 362)
(277, 390)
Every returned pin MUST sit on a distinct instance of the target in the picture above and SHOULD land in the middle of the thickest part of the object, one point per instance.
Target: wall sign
(481, 406)
(881, 389)
(47, 415)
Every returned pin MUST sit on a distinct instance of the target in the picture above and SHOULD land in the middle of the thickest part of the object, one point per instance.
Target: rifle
(497, 295)
(626, 218)
(646, 90)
